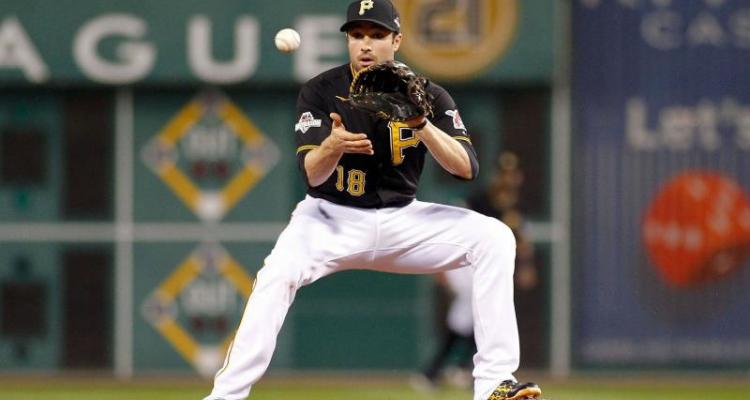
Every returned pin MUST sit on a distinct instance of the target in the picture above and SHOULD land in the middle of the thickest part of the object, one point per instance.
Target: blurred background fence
(147, 166)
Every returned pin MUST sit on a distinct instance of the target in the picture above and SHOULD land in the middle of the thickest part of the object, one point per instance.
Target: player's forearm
(446, 151)
(320, 164)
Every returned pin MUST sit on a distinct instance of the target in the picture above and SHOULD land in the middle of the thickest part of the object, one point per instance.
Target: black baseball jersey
(389, 177)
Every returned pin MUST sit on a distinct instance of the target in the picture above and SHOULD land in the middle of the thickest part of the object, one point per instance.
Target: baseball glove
(391, 91)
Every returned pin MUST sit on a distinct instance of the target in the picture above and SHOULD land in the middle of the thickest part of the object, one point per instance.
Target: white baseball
(287, 40)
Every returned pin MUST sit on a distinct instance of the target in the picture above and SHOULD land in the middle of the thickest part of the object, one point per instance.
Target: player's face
(370, 44)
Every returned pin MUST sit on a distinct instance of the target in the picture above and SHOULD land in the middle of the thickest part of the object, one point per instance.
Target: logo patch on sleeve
(306, 121)
(457, 122)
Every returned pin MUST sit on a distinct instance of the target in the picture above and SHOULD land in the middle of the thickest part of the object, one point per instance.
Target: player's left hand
(391, 91)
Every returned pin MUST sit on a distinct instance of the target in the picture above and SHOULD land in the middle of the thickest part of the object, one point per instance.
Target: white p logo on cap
(365, 5)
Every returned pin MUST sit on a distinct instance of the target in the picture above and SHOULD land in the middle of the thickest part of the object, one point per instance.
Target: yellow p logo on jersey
(399, 143)
(365, 5)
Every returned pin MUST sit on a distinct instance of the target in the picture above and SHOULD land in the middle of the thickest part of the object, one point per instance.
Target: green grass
(362, 388)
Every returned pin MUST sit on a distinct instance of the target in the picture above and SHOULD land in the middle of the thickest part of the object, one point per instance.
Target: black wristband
(420, 126)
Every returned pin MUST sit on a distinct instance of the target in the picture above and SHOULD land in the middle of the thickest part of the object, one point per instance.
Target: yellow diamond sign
(193, 306)
(210, 154)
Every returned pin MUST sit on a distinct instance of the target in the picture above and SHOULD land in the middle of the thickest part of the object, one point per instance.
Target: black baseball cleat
(510, 390)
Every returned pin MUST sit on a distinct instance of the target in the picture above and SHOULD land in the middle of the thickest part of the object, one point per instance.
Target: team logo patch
(365, 5)
(306, 121)
(457, 122)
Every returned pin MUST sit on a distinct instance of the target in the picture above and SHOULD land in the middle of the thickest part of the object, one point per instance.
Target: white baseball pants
(420, 238)
(460, 318)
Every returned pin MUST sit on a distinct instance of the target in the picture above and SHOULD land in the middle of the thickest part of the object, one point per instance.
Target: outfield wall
(147, 167)
(661, 211)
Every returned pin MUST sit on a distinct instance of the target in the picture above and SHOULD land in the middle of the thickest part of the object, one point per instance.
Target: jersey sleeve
(313, 123)
(447, 117)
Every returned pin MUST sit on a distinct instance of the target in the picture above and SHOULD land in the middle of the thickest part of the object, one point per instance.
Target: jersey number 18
(355, 181)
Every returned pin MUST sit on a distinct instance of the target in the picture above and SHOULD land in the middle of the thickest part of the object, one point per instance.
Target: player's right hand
(342, 141)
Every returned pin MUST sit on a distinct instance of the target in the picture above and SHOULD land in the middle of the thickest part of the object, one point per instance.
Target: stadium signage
(708, 125)
(173, 43)
(192, 307)
(668, 25)
(117, 48)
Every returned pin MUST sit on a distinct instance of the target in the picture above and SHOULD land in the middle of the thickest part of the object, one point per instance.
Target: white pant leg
(323, 238)
(460, 317)
(318, 234)
(495, 326)
(424, 237)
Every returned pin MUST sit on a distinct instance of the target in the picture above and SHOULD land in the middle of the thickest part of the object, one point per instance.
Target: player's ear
(396, 41)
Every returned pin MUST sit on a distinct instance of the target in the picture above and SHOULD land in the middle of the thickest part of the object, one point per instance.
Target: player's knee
(272, 277)
(497, 233)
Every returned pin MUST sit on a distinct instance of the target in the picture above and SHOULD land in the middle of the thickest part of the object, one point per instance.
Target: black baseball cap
(380, 12)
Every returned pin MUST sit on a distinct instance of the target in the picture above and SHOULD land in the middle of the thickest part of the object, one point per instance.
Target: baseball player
(360, 212)
(459, 325)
